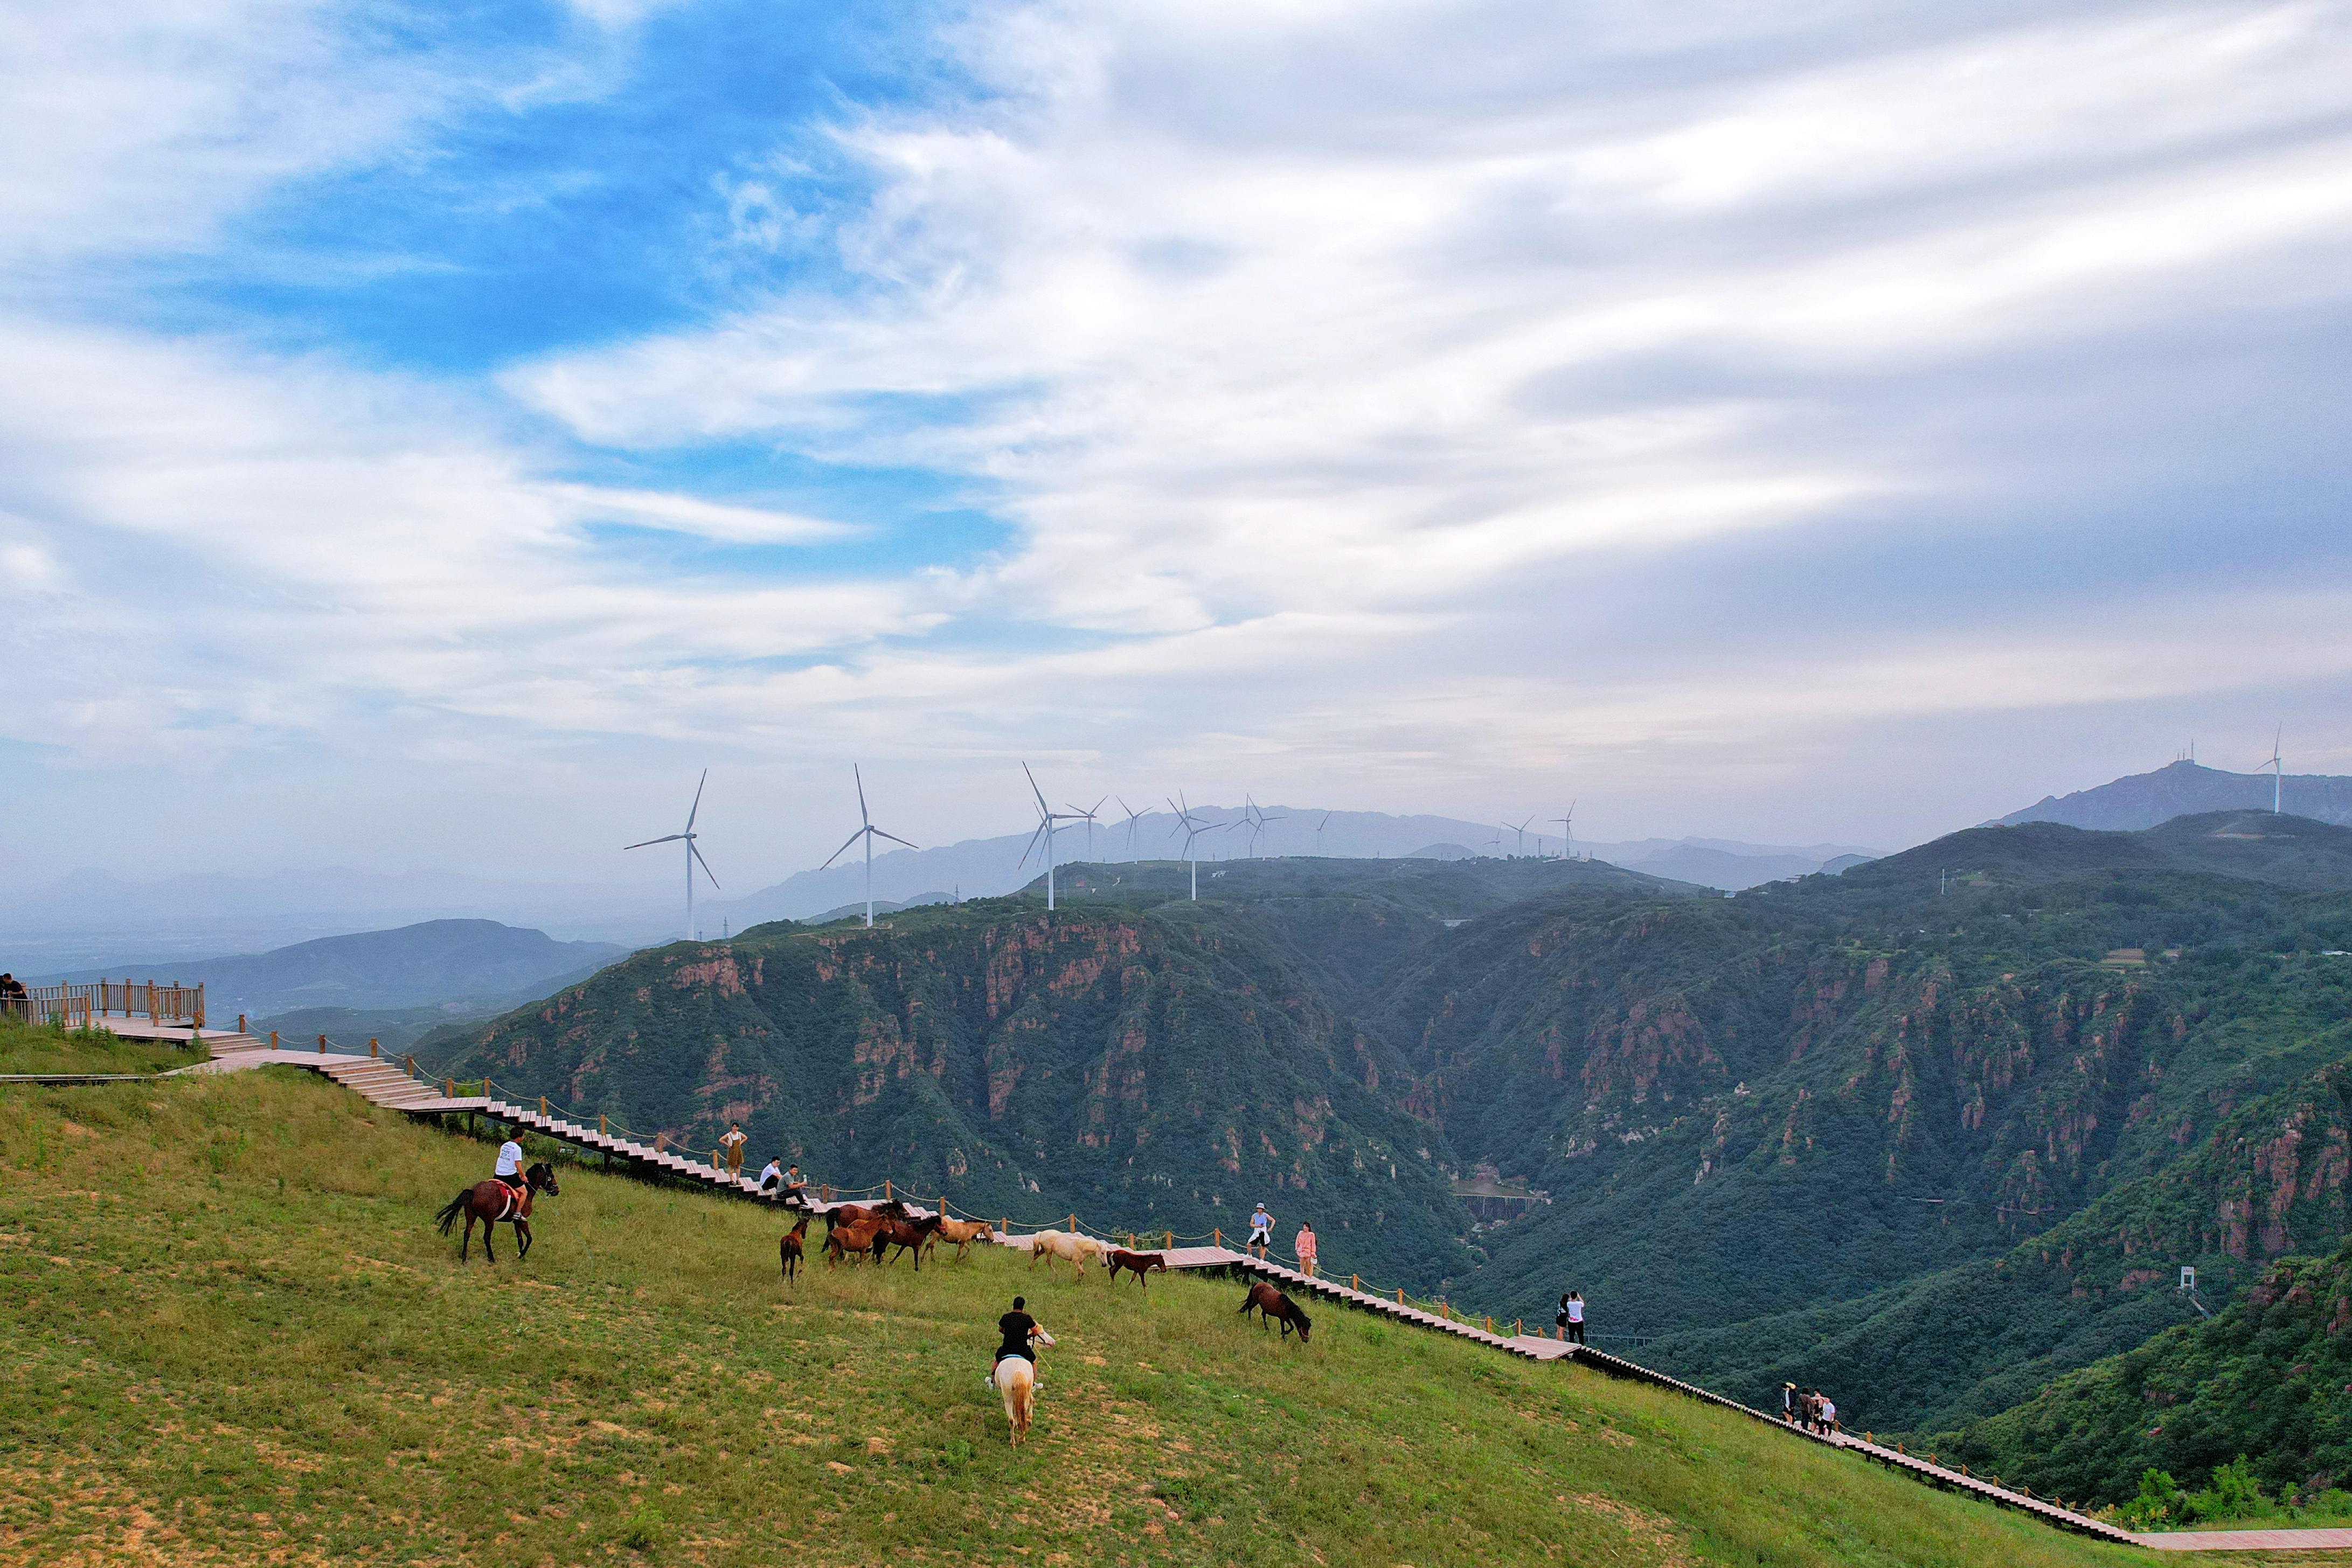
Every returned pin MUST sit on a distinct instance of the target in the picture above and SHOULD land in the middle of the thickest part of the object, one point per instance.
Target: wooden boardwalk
(381, 1082)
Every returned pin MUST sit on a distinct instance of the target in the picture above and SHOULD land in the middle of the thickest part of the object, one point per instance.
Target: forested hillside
(1932, 1132)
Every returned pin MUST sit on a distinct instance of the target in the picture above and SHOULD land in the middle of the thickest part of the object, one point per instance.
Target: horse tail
(448, 1216)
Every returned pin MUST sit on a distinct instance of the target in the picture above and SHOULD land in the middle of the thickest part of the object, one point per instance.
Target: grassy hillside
(40, 1050)
(234, 1337)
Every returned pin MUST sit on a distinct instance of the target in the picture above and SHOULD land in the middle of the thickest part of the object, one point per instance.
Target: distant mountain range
(437, 963)
(2184, 789)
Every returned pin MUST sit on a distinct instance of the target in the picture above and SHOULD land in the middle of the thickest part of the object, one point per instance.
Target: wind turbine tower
(1318, 834)
(1522, 831)
(1568, 833)
(1046, 817)
(1088, 815)
(693, 856)
(869, 832)
(1191, 827)
(2278, 772)
(1133, 816)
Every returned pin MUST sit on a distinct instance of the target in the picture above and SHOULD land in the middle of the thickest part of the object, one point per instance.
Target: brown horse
(858, 1214)
(853, 1238)
(788, 1250)
(1142, 1263)
(905, 1235)
(1273, 1306)
(493, 1201)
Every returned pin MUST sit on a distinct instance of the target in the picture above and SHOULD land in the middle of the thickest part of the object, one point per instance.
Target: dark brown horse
(1273, 1306)
(789, 1250)
(493, 1201)
(841, 1214)
(1142, 1263)
(905, 1235)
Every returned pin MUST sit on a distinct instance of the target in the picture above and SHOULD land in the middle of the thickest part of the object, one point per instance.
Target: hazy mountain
(2181, 789)
(435, 962)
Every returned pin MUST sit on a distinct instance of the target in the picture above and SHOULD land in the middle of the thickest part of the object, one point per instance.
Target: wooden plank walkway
(381, 1082)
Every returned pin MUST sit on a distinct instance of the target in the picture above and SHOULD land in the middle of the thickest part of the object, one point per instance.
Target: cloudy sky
(431, 435)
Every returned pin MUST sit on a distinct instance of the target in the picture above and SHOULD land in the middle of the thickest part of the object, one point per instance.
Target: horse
(1077, 1249)
(962, 1232)
(1142, 1263)
(854, 1239)
(788, 1250)
(903, 1235)
(1016, 1380)
(1273, 1305)
(854, 1214)
(493, 1201)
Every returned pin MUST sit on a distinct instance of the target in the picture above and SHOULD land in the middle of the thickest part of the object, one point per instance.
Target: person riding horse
(1019, 1330)
(510, 1166)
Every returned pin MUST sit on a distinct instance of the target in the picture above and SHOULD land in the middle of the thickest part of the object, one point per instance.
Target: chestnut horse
(1273, 1306)
(1142, 1263)
(905, 1235)
(493, 1201)
(853, 1238)
(788, 1251)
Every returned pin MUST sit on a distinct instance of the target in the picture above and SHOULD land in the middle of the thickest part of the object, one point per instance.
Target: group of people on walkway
(1261, 1238)
(1811, 1409)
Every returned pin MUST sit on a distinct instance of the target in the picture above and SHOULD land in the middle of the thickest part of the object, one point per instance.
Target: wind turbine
(869, 832)
(1318, 834)
(1254, 818)
(1191, 827)
(1046, 816)
(1087, 814)
(1133, 816)
(2278, 772)
(1522, 831)
(693, 856)
(1568, 833)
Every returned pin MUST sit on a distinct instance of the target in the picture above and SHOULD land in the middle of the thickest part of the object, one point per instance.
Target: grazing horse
(854, 1239)
(493, 1201)
(905, 1235)
(1016, 1380)
(1142, 1263)
(788, 1250)
(962, 1232)
(1272, 1305)
(1073, 1247)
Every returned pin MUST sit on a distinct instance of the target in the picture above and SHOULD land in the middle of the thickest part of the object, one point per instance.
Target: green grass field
(23, 1049)
(235, 1336)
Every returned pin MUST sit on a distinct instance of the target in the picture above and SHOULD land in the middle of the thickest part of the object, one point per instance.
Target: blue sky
(436, 434)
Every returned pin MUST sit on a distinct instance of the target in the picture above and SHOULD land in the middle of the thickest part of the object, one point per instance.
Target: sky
(433, 435)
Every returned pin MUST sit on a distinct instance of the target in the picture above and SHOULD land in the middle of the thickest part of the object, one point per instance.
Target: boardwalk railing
(77, 1005)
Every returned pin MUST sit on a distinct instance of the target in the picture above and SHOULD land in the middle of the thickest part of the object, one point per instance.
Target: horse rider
(510, 1170)
(1261, 1233)
(1019, 1330)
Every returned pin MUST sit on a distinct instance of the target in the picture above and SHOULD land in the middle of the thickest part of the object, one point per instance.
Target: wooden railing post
(411, 1060)
(273, 1039)
(449, 1088)
(371, 1050)
(542, 1105)
(322, 1045)
(1074, 1224)
(885, 1189)
(1400, 1295)
(600, 1124)
(1171, 1242)
(240, 1023)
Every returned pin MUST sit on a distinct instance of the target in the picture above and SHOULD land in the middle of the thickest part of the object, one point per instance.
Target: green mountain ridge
(1929, 1132)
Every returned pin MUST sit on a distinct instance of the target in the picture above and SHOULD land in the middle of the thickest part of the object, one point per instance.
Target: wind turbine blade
(1043, 809)
(894, 838)
(844, 847)
(671, 839)
(701, 862)
(861, 794)
(697, 806)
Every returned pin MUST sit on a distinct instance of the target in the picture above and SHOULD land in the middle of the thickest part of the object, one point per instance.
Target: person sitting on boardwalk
(1261, 1233)
(1571, 1311)
(733, 1143)
(795, 1188)
(1303, 1245)
(771, 1174)
(1018, 1328)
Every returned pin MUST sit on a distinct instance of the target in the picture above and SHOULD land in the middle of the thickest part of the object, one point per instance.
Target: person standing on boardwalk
(1261, 1233)
(733, 1143)
(1789, 1403)
(1829, 1417)
(1572, 1310)
(1303, 1245)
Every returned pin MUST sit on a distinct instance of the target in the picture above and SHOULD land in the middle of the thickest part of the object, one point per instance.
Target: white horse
(1071, 1247)
(1016, 1380)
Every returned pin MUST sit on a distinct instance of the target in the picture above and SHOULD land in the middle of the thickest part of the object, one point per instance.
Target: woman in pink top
(1305, 1247)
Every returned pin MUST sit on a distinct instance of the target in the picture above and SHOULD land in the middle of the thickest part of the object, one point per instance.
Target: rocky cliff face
(1146, 1071)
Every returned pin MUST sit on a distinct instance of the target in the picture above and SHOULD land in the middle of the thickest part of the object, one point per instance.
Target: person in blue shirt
(1261, 1233)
